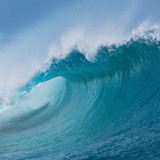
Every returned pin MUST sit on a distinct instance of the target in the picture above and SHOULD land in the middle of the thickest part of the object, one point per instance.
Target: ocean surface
(98, 104)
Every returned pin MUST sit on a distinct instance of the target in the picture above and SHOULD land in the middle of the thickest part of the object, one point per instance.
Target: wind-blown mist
(83, 83)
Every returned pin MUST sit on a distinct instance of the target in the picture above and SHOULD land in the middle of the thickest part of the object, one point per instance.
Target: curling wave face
(80, 109)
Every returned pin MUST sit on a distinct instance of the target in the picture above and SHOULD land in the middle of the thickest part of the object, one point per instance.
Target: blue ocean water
(81, 82)
(108, 108)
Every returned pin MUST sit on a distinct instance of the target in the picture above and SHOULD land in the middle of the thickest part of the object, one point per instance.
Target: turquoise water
(107, 108)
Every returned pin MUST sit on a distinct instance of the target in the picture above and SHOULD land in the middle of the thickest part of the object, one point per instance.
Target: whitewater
(83, 83)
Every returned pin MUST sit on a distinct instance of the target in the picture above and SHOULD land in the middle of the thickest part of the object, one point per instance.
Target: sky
(18, 14)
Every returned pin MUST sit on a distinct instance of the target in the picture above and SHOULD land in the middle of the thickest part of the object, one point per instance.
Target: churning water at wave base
(100, 103)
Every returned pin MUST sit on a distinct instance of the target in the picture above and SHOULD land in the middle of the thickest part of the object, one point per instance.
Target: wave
(107, 107)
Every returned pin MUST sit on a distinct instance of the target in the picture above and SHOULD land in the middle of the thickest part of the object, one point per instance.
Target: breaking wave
(76, 108)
